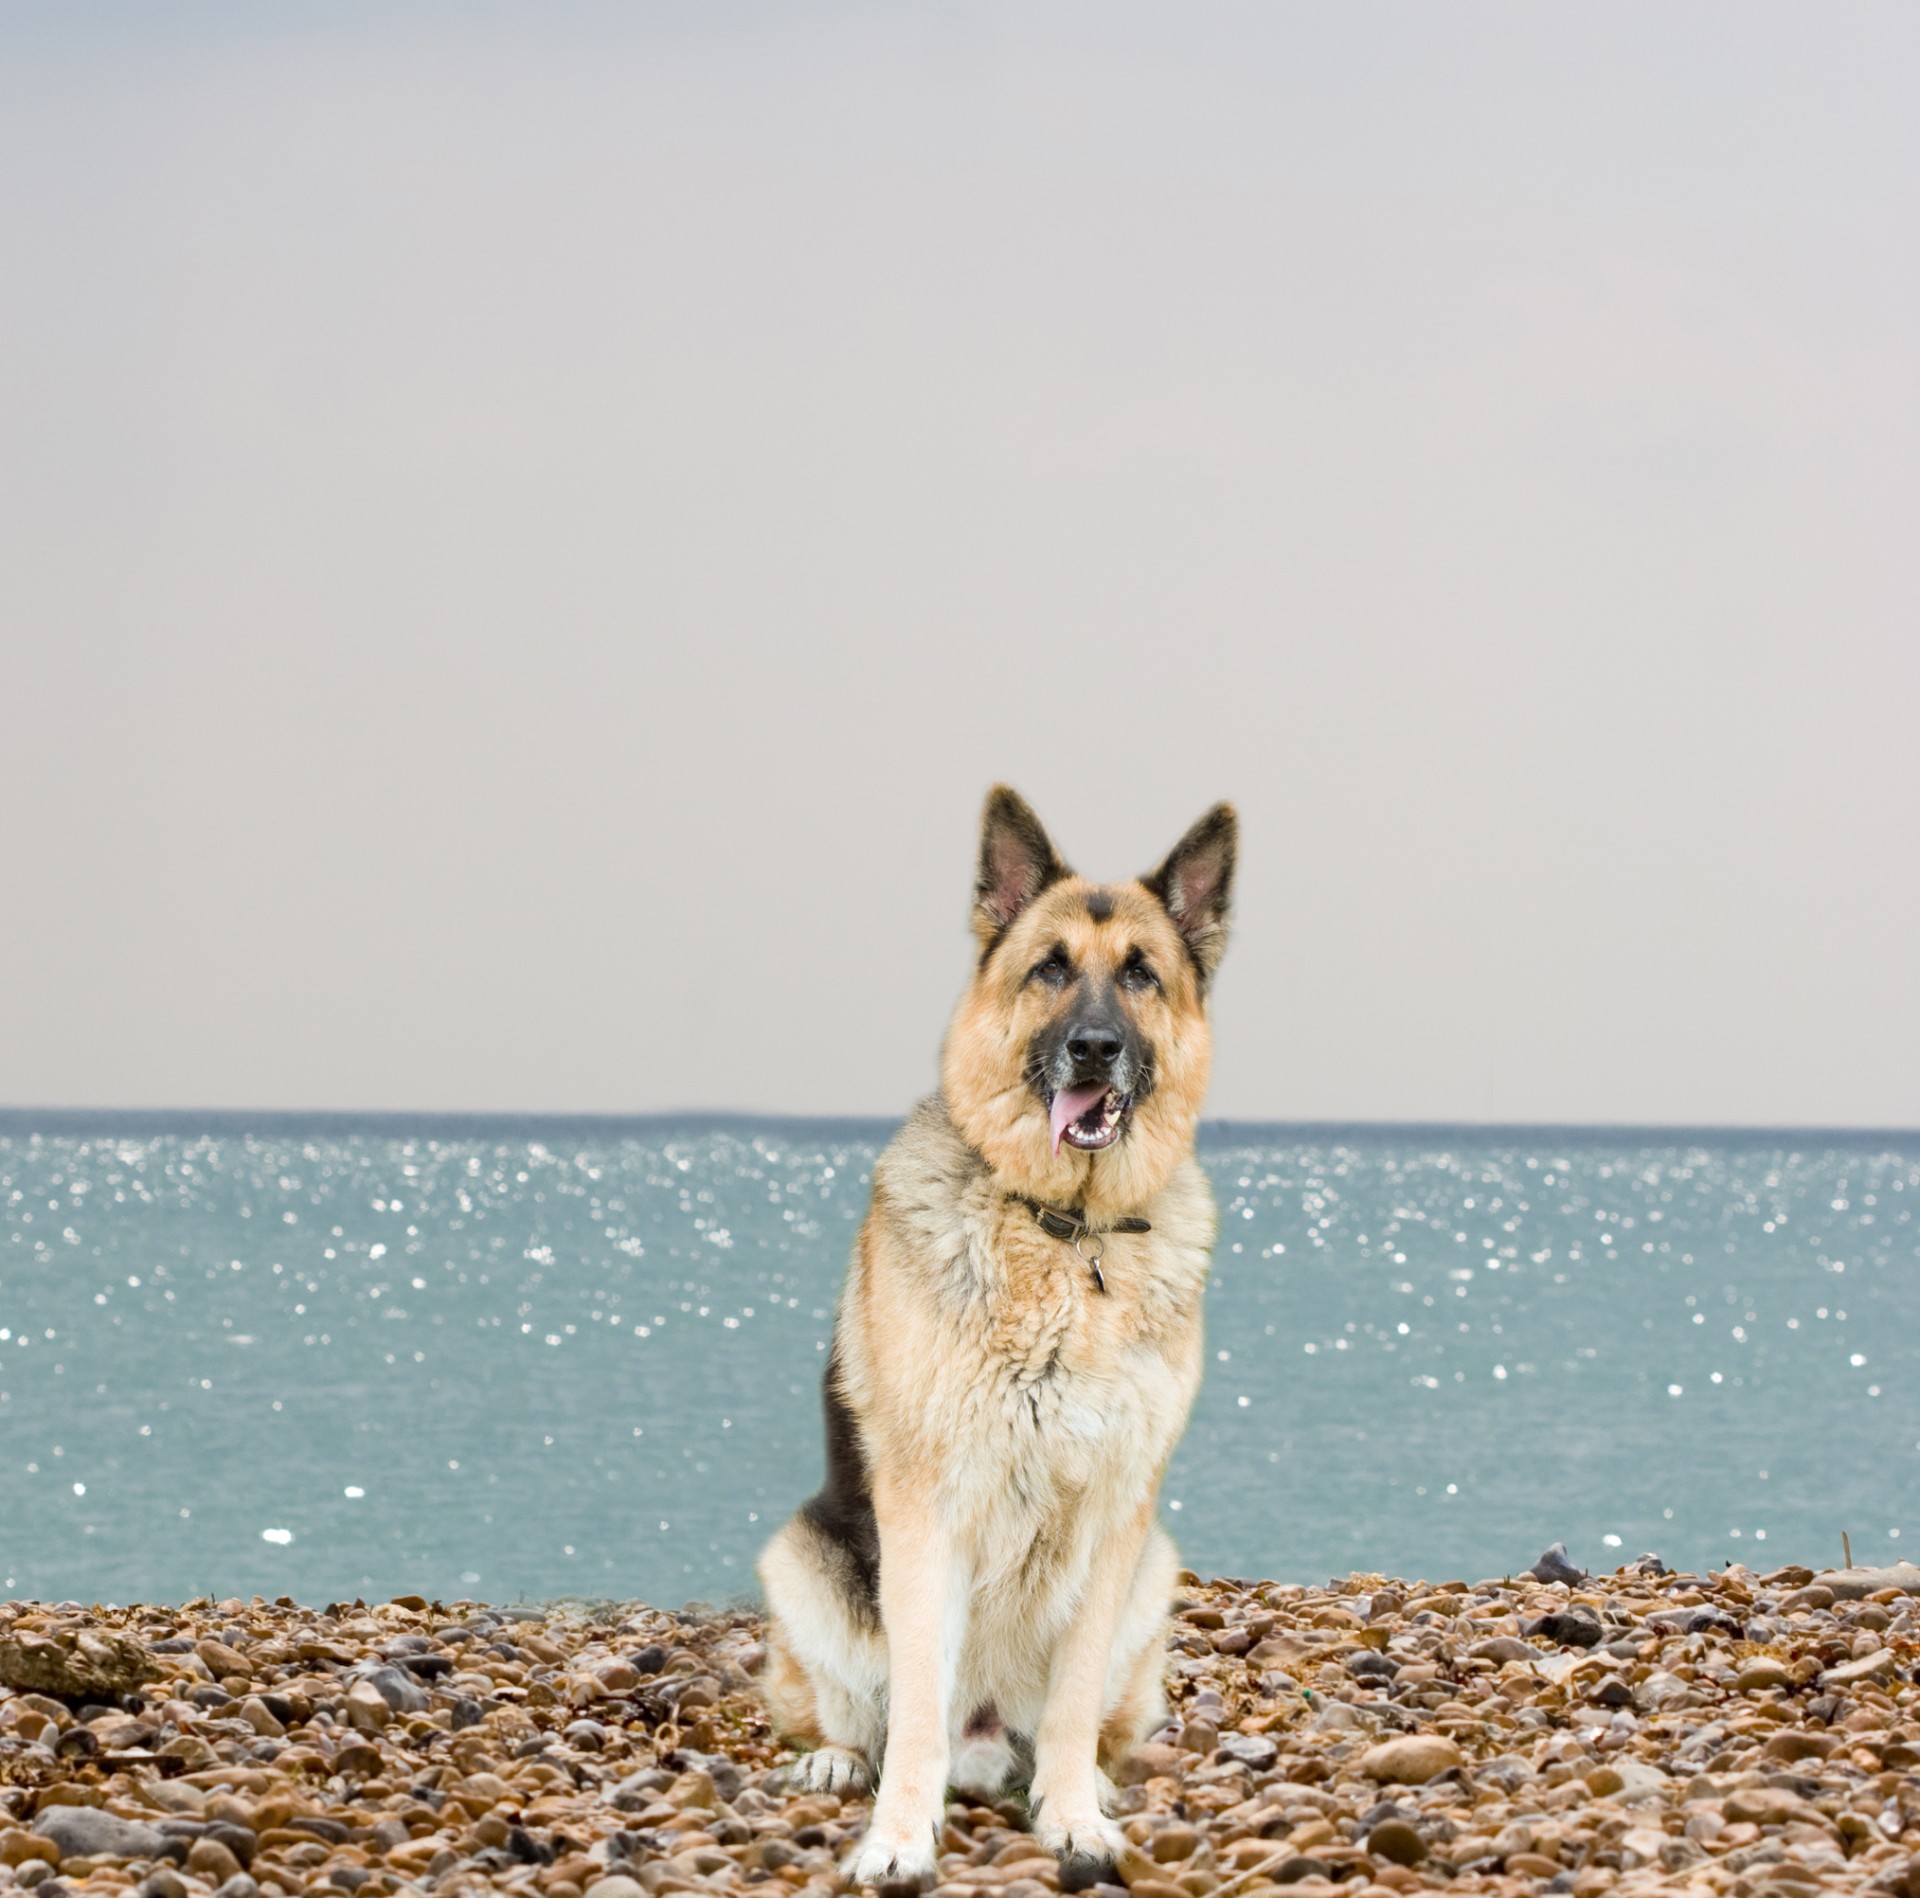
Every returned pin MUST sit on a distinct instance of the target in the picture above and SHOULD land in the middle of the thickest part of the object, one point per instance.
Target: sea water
(501, 1360)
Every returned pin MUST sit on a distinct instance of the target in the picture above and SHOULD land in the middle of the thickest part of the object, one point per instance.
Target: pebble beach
(1730, 1735)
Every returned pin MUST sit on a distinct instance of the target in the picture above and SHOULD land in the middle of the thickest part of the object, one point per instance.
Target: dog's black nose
(1094, 1046)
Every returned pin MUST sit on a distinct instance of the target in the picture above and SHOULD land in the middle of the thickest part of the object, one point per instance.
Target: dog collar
(1072, 1225)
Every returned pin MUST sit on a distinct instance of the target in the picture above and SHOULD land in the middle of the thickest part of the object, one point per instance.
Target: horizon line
(1213, 1131)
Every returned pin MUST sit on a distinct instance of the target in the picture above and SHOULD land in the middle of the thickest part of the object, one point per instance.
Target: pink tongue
(1069, 1104)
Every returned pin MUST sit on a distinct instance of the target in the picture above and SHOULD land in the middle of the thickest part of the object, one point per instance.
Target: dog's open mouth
(1088, 1117)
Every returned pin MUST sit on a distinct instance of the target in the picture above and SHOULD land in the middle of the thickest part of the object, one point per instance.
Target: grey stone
(1252, 1750)
(1712, 1621)
(331, 1830)
(87, 1832)
(241, 1841)
(1557, 1566)
(1081, 1875)
(1571, 1627)
(397, 1688)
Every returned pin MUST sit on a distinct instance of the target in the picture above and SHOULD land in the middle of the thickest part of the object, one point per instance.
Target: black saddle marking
(843, 1510)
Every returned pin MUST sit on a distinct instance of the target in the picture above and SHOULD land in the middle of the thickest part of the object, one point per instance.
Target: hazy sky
(526, 531)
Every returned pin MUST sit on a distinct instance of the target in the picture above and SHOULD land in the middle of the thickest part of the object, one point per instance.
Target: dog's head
(1078, 1057)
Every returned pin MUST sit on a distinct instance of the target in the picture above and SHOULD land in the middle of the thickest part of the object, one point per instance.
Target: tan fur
(980, 1067)
(1014, 1417)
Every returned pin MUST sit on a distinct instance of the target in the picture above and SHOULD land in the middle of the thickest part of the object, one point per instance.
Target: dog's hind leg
(825, 1678)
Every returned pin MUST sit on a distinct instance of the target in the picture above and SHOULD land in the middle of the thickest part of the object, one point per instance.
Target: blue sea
(328, 1357)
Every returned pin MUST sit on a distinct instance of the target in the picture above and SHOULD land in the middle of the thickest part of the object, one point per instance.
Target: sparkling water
(331, 1359)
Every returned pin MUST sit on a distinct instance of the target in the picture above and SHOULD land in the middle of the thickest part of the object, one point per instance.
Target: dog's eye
(1137, 974)
(1053, 968)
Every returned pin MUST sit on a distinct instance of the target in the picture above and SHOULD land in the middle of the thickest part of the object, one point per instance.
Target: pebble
(1411, 1761)
(1557, 1566)
(366, 1707)
(1571, 1627)
(1857, 1584)
(1733, 1735)
(1869, 1667)
(1503, 1647)
(397, 1689)
(1255, 1751)
(87, 1832)
(210, 1860)
(1396, 1842)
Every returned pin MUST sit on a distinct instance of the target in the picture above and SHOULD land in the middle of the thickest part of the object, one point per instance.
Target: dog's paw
(1084, 1840)
(893, 1857)
(829, 1769)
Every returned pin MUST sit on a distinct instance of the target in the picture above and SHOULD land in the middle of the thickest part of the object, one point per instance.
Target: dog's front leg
(922, 1609)
(1066, 1781)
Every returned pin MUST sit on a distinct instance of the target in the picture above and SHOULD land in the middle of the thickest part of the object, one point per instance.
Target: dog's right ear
(1196, 885)
(1017, 862)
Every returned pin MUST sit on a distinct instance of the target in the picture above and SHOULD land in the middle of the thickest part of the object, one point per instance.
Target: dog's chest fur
(981, 1351)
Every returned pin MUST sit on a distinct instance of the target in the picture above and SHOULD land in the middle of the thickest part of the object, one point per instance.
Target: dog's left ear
(1196, 885)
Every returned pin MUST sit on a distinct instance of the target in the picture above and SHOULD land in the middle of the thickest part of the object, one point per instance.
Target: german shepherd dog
(980, 1592)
